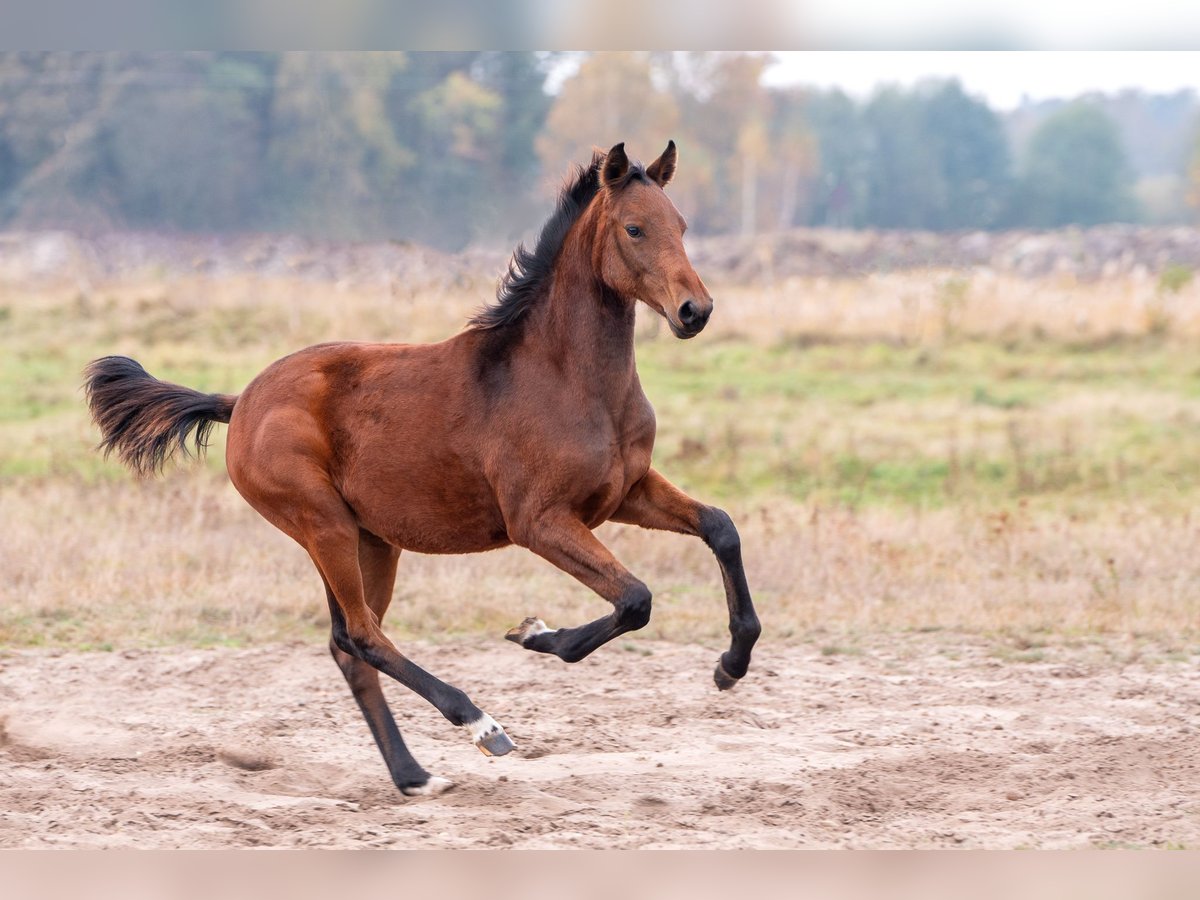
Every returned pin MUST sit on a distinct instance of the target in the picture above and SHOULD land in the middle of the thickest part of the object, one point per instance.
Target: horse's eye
(633, 231)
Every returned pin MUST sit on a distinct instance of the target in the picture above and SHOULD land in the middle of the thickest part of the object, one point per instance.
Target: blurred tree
(519, 79)
(447, 148)
(1075, 173)
(932, 157)
(906, 187)
(1156, 129)
(967, 141)
(51, 108)
(181, 141)
(1193, 178)
(842, 143)
(752, 153)
(432, 146)
(457, 124)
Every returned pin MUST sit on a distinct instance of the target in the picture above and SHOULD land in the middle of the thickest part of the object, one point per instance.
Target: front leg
(656, 503)
(570, 545)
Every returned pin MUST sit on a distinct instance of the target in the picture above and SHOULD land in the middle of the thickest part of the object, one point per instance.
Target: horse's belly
(446, 538)
(415, 510)
(435, 531)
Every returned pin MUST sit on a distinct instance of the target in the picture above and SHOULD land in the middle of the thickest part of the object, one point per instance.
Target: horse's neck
(586, 333)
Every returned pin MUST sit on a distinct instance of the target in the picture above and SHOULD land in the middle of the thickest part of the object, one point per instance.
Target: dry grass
(931, 307)
(909, 451)
(111, 564)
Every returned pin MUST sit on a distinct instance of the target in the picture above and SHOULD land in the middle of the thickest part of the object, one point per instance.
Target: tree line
(460, 147)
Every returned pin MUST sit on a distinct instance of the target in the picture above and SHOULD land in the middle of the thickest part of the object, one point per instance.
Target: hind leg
(331, 536)
(377, 562)
(295, 495)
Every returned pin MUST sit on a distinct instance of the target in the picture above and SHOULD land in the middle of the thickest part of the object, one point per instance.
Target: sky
(1003, 78)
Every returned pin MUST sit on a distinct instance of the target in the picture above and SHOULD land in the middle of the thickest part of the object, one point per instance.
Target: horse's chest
(585, 463)
(618, 459)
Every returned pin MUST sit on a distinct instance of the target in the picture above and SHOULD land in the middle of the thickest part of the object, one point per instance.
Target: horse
(528, 427)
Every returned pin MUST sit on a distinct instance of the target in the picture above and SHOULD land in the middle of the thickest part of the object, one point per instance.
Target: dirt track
(902, 745)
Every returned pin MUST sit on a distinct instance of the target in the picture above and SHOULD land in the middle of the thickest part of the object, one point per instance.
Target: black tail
(145, 419)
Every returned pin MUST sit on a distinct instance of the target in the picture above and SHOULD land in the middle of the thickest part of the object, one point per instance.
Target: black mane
(529, 270)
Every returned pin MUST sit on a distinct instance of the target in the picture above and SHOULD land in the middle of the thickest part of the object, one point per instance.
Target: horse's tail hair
(146, 420)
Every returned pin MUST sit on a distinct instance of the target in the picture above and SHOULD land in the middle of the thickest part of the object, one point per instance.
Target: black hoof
(723, 679)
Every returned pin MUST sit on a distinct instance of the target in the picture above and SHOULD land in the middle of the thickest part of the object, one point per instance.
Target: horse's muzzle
(693, 316)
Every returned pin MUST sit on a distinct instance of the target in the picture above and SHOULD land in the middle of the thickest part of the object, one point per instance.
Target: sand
(907, 741)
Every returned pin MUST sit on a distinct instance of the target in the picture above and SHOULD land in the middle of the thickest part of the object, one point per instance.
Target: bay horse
(528, 427)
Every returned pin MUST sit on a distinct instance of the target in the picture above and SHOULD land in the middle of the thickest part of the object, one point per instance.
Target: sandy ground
(915, 741)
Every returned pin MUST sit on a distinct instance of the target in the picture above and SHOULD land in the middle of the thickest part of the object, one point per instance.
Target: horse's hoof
(723, 679)
(430, 788)
(497, 744)
(489, 737)
(527, 629)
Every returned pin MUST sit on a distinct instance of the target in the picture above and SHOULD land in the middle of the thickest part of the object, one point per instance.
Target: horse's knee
(720, 533)
(457, 707)
(633, 608)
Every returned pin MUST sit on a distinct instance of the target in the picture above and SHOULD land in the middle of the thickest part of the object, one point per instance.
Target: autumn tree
(612, 97)
(449, 148)
(334, 158)
(724, 110)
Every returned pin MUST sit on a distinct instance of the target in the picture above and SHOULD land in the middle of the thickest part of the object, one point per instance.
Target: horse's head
(641, 246)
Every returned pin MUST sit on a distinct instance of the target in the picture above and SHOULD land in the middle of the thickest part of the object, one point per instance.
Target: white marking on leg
(482, 727)
(527, 629)
(537, 626)
(431, 788)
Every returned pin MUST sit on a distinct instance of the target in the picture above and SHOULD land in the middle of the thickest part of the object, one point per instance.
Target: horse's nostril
(688, 313)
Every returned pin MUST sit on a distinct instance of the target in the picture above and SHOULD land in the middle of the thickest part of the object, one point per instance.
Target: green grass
(866, 424)
(852, 423)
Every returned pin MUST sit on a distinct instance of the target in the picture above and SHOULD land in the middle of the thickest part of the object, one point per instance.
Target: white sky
(1001, 77)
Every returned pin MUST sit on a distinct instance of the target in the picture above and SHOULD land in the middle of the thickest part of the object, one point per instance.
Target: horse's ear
(662, 170)
(616, 164)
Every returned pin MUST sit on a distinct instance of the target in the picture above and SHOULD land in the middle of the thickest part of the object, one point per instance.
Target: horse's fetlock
(749, 630)
(457, 706)
(571, 654)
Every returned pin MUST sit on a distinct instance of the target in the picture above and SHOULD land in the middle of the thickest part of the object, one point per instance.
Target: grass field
(910, 451)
